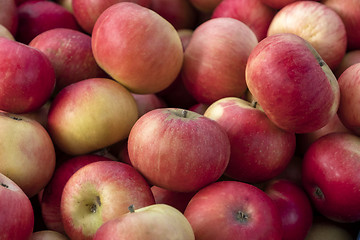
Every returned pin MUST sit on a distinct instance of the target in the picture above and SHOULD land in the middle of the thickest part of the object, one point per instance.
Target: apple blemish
(241, 216)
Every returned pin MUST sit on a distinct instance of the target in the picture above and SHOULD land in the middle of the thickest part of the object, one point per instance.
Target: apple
(233, 210)
(27, 77)
(278, 4)
(294, 206)
(51, 195)
(9, 16)
(351, 57)
(292, 172)
(91, 114)
(27, 154)
(154, 222)
(199, 108)
(254, 13)
(48, 235)
(17, 215)
(317, 23)
(67, 4)
(137, 47)
(70, 53)
(330, 176)
(215, 59)
(36, 17)
(148, 102)
(323, 228)
(259, 149)
(294, 86)
(205, 6)
(178, 149)
(4, 32)
(39, 115)
(99, 192)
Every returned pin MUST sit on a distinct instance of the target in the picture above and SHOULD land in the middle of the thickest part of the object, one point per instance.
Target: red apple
(320, 25)
(259, 149)
(9, 16)
(27, 154)
(17, 215)
(27, 77)
(292, 83)
(330, 176)
(254, 13)
(294, 206)
(205, 6)
(158, 221)
(215, 59)
(199, 108)
(233, 210)
(48, 235)
(70, 53)
(137, 47)
(177, 149)
(99, 192)
(91, 114)
(148, 102)
(351, 57)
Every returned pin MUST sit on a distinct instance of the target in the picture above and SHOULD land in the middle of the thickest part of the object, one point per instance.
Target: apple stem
(184, 113)
(254, 103)
(241, 216)
(4, 185)
(131, 208)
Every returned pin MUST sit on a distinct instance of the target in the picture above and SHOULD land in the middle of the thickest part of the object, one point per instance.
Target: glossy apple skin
(259, 149)
(8, 16)
(72, 114)
(215, 213)
(294, 206)
(254, 13)
(349, 82)
(99, 192)
(48, 235)
(330, 176)
(137, 47)
(178, 152)
(157, 221)
(351, 57)
(303, 18)
(17, 215)
(87, 12)
(27, 77)
(215, 59)
(284, 68)
(51, 196)
(27, 153)
(70, 53)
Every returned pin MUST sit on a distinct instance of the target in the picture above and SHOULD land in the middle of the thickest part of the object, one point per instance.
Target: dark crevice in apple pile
(4, 185)
(318, 193)
(16, 118)
(241, 216)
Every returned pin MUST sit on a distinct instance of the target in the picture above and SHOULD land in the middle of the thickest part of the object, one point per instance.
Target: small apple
(48, 235)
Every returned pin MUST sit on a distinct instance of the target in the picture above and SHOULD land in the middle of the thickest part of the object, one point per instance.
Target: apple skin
(51, 196)
(199, 108)
(87, 12)
(148, 102)
(259, 149)
(9, 16)
(215, 59)
(137, 47)
(27, 77)
(36, 17)
(303, 18)
(17, 215)
(107, 108)
(284, 68)
(27, 153)
(205, 6)
(48, 235)
(351, 57)
(233, 210)
(330, 176)
(278, 4)
(4, 32)
(157, 221)
(254, 13)
(70, 53)
(178, 149)
(294, 207)
(99, 192)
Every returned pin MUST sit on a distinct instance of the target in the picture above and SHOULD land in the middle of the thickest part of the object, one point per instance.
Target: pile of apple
(179, 119)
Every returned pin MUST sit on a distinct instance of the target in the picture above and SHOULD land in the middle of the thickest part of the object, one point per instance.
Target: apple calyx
(93, 207)
(319, 194)
(131, 208)
(4, 185)
(241, 216)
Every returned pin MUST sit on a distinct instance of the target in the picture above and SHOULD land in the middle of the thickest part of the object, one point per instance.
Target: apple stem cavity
(4, 185)
(131, 208)
(241, 216)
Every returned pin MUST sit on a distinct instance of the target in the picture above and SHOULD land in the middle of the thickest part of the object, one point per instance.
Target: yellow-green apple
(48, 235)
(27, 77)
(278, 4)
(16, 212)
(148, 102)
(36, 17)
(9, 16)
(27, 154)
(330, 176)
(259, 149)
(4, 32)
(99, 192)
(51, 195)
(215, 59)
(87, 12)
(349, 12)
(205, 6)
(351, 57)
(91, 114)
(293, 85)
(323, 228)
(349, 82)
(154, 222)
(137, 47)
(320, 25)
(295, 209)
(254, 13)
(178, 149)
(70, 53)
(233, 210)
